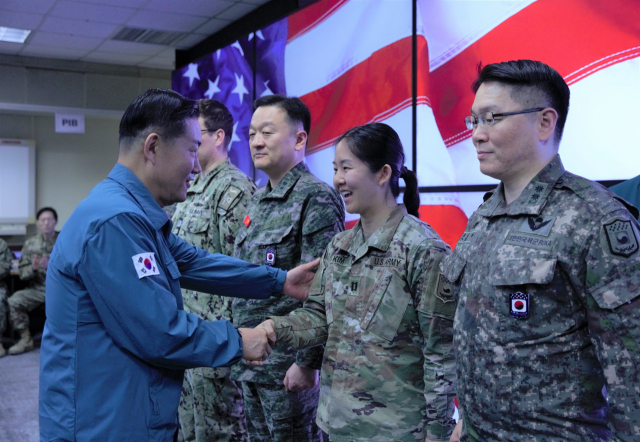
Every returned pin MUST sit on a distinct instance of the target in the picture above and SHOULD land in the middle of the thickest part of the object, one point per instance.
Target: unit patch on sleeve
(145, 264)
(621, 237)
(444, 292)
(229, 197)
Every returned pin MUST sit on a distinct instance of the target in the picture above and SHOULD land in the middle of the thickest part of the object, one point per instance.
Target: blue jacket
(117, 339)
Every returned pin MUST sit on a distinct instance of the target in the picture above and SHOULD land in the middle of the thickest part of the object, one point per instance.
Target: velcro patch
(145, 264)
(621, 237)
(538, 225)
(229, 197)
(444, 292)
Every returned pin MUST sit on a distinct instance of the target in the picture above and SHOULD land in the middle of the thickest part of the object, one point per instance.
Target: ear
(301, 140)
(384, 175)
(548, 120)
(151, 145)
(219, 134)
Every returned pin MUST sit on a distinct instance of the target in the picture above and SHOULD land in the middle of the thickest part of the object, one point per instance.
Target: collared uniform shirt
(388, 368)
(5, 261)
(286, 226)
(548, 314)
(117, 340)
(36, 245)
(210, 218)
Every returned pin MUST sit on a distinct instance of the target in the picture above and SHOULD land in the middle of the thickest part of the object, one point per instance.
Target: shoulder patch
(444, 291)
(145, 264)
(621, 237)
(230, 196)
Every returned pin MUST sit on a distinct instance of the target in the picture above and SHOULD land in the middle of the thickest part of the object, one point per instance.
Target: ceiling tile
(39, 38)
(77, 27)
(113, 58)
(20, 20)
(41, 6)
(189, 41)
(50, 52)
(212, 26)
(127, 47)
(236, 11)
(10, 48)
(97, 13)
(159, 63)
(165, 21)
(192, 7)
(123, 3)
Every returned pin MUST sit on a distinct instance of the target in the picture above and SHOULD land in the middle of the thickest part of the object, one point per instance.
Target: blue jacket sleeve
(142, 315)
(223, 275)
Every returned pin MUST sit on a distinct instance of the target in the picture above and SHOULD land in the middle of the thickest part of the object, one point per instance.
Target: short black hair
(296, 110)
(47, 209)
(528, 78)
(216, 116)
(157, 110)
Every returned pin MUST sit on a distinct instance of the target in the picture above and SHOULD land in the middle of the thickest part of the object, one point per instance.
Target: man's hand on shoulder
(299, 280)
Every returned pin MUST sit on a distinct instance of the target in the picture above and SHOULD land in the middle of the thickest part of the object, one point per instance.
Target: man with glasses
(546, 277)
(211, 407)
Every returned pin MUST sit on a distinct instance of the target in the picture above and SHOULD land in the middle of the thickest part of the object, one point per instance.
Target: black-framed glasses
(204, 131)
(489, 118)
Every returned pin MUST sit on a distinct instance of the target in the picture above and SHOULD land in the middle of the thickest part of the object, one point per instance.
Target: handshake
(258, 342)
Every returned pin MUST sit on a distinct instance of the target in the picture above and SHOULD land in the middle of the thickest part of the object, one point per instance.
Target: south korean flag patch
(145, 264)
(519, 305)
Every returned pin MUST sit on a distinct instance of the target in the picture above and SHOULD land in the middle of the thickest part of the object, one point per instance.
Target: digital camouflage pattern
(5, 268)
(572, 249)
(23, 301)
(295, 221)
(210, 218)
(388, 368)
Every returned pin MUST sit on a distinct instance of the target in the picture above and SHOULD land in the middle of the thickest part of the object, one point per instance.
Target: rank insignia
(247, 221)
(621, 237)
(519, 305)
(270, 257)
(444, 291)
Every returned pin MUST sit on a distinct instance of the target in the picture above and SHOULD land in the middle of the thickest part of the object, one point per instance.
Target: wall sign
(70, 123)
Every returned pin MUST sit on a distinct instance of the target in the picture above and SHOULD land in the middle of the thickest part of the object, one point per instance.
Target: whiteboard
(17, 183)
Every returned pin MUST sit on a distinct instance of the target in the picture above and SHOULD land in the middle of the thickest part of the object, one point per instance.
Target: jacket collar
(127, 179)
(380, 239)
(287, 182)
(200, 183)
(533, 197)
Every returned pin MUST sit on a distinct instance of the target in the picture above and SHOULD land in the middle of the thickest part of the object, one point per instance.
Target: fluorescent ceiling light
(13, 35)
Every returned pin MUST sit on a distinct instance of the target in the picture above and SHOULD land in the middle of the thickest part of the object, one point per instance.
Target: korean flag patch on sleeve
(145, 264)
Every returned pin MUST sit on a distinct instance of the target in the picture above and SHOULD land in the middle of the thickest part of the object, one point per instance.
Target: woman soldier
(380, 305)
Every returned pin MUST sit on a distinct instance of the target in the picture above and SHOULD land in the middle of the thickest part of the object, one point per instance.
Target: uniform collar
(199, 183)
(380, 239)
(286, 183)
(533, 197)
(126, 178)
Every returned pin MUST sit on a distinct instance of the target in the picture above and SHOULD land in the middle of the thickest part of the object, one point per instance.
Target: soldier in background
(211, 403)
(379, 303)
(289, 221)
(5, 268)
(547, 327)
(33, 268)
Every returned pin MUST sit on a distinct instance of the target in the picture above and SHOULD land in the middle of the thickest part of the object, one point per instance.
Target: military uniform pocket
(388, 303)
(195, 225)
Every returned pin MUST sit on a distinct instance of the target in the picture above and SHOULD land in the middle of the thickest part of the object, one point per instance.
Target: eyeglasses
(204, 131)
(488, 118)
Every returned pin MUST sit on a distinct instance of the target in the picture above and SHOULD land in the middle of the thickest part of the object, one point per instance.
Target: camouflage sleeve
(234, 204)
(323, 219)
(26, 265)
(435, 315)
(306, 327)
(612, 278)
(5, 259)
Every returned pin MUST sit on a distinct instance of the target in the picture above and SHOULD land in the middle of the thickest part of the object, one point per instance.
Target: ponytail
(411, 198)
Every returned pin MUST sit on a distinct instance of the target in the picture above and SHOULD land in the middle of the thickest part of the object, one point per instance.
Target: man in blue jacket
(117, 339)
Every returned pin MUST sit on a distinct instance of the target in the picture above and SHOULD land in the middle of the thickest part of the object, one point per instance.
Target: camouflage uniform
(548, 313)
(23, 301)
(388, 367)
(5, 268)
(285, 226)
(211, 403)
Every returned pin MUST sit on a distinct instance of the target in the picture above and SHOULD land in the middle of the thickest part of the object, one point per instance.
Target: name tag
(386, 262)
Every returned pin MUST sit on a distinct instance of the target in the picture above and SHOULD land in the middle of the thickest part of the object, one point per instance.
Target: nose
(196, 167)
(256, 141)
(479, 135)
